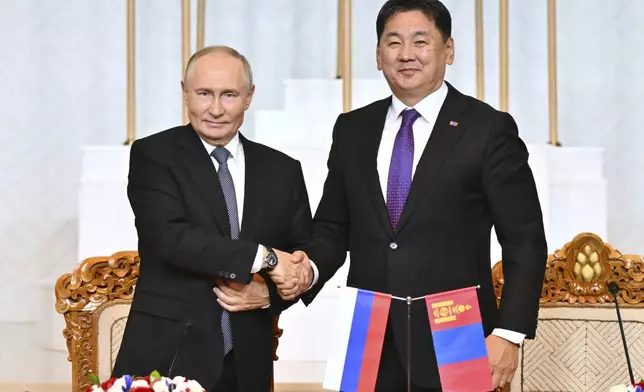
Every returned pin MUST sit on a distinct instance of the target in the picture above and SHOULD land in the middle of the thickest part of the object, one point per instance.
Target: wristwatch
(270, 260)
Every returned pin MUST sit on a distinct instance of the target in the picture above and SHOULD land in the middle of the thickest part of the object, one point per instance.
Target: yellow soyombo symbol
(446, 311)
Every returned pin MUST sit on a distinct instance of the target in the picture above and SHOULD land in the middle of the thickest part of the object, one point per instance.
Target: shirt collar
(428, 107)
(234, 146)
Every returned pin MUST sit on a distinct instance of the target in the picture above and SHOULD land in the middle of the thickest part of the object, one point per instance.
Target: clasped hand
(292, 275)
(237, 297)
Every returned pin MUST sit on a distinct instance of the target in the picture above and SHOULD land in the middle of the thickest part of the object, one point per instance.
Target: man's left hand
(504, 358)
(236, 297)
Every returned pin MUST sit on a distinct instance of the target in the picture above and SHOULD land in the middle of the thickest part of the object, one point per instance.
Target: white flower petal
(139, 383)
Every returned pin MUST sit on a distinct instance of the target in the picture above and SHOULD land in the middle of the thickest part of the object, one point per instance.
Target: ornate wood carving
(96, 283)
(579, 273)
(277, 334)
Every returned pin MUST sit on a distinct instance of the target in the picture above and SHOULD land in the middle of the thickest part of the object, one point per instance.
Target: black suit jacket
(471, 175)
(184, 245)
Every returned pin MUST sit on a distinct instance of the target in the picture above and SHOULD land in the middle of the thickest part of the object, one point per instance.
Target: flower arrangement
(152, 383)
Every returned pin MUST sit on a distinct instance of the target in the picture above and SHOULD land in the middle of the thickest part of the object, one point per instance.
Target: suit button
(221, 273)
(232, 276)
(393, 246)
(226, 274)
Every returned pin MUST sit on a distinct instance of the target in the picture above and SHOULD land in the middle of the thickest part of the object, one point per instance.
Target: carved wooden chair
(578, 346)
(95, 301)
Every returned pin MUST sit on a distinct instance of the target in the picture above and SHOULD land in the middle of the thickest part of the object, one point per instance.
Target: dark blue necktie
(400, 168)
(221, 155)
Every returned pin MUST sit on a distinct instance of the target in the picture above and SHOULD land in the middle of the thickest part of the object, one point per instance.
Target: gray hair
(220, 49)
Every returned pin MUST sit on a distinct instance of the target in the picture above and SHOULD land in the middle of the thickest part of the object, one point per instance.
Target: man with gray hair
(212, 209)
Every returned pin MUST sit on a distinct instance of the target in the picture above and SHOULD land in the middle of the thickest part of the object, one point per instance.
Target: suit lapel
(257, 183)
(195, 159)
(368, 153)
(446, 133)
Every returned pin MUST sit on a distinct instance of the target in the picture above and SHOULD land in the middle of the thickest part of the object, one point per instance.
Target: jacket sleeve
(299, 234)
(329, 245)
(512, 196)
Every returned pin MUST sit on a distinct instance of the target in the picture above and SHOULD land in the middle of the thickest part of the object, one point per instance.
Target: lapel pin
(453, 123)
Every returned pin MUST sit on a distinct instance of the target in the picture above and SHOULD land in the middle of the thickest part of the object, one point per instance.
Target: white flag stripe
(336, 355)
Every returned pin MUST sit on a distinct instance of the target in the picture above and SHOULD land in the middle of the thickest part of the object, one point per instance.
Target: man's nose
(407, 53)
(215, 107)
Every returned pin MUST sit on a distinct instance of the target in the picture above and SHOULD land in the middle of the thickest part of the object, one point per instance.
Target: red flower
(146, 378)
(107, 384)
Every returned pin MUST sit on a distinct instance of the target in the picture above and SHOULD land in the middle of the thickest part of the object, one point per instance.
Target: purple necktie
(400, 168)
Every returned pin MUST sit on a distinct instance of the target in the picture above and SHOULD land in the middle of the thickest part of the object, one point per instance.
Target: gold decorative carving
(277, 334)
(581, 270)
(97, 280)
(587, 266)
(96, 284)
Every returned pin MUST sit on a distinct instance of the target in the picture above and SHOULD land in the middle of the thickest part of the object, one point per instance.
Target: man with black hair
(415, 184)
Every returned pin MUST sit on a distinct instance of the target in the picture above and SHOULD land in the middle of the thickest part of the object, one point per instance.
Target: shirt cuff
(511, 336)
(259, 260)
(316, 275)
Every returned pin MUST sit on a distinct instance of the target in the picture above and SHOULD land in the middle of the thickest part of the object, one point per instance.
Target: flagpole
(408, 344)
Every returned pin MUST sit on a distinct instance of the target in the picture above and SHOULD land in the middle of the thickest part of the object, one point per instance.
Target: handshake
(293, 274)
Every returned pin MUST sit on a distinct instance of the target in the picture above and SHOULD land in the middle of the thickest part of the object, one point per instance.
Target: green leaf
(93, 378)
(154, 376)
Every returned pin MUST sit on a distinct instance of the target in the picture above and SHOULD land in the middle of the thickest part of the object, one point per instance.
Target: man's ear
(449, 44)
(184, 90)
(249, 98)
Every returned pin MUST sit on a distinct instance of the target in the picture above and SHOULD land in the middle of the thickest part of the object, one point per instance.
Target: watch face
(271, 260)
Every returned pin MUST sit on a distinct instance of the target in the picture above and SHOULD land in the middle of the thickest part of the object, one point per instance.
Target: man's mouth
(408, 71)
(215, 124)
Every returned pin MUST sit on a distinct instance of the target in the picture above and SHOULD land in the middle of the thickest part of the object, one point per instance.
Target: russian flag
(459, 341)
(356, 346)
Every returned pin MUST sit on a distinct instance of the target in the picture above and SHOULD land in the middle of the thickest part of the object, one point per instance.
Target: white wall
(62, 78)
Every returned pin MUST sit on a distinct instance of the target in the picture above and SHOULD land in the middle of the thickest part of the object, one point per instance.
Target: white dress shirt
(237, 168)
(428, 109)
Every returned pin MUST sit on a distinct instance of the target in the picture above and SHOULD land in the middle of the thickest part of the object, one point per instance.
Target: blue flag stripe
(357, 340)
(459, 344)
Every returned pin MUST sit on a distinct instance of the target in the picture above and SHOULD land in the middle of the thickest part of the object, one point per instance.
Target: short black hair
(433, 9)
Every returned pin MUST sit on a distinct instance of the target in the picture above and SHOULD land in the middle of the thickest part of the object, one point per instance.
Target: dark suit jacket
(184, 244)
(470, 177)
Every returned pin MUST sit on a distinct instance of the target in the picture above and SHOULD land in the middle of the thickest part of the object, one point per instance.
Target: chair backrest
(578, 346)
(95, 301)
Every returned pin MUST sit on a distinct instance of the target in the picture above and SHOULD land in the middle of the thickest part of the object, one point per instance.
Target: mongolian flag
(356, 345)
(459, 341)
